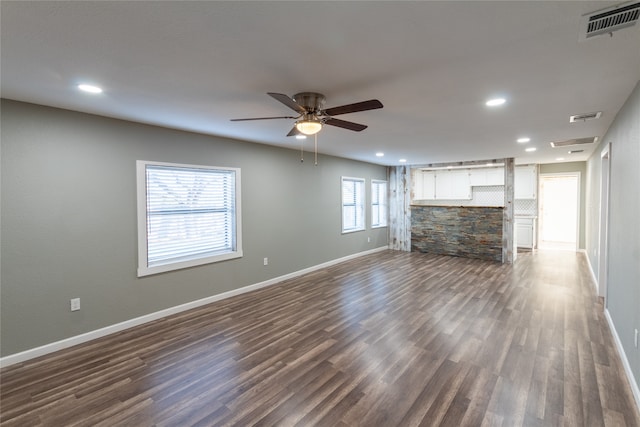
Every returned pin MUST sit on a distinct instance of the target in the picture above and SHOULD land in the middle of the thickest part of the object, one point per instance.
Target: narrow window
(352, 204)
(187, 216)
(378, 203)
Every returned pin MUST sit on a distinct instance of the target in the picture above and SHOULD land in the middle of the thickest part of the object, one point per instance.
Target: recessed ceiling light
(301, 136)
(523, 140)
(530, 149)
(89, 88)
(379, 154)
(559, 158)
(495, 102)
(403, 160)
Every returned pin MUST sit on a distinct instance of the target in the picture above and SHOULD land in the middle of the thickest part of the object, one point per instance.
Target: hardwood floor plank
(306, 397)
(442, 405)
(397, 394)
(474, 389)
(389, 339)
(445, 372)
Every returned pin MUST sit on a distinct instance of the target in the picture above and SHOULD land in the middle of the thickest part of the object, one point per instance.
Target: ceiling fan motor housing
(313, 102)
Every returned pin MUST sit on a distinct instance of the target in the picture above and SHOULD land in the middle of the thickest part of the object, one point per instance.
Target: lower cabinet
(525, 232)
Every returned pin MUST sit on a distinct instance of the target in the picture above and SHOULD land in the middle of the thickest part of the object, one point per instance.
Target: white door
(558, 216)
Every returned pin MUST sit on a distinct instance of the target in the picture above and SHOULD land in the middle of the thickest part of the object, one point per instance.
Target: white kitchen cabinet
(525, 232)
(424, 185)
(525, 182)
(495, 176)
(453, 185)
(486, 176)
(441, 185)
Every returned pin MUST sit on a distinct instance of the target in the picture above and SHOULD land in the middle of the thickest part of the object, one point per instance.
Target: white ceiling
(195, 65)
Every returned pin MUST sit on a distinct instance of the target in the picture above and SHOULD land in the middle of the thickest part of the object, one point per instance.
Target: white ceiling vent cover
(577, 141)
(585, 117)
(606, 21)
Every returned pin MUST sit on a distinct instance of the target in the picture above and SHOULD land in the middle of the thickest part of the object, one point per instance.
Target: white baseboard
(108, 330)
(625, 361)
(616, 338)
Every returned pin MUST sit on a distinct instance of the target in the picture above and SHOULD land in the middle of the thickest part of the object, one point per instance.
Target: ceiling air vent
(585, 117)
(606, 21)
(576, 151)
(578, 141)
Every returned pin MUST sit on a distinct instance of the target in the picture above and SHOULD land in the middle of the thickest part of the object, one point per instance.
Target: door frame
(578, 176)
(603, 222)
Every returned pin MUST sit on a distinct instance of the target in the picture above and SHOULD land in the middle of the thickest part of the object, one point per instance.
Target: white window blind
(190, 216)
(352, 204)
(378, 203)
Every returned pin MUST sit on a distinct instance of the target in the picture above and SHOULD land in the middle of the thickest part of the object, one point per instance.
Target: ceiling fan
(312, 116)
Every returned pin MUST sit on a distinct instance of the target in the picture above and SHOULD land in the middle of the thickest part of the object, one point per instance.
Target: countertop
(455, 206)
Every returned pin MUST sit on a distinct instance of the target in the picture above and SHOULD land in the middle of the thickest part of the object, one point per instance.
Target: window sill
(148, 271)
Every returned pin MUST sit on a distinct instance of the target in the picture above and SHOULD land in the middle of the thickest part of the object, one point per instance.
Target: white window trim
(364, 204)
(143, 268)
(386, 205)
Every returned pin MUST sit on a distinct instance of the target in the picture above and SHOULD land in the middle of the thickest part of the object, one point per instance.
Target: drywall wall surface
(69, 227)
(573, 167)
(623, 292)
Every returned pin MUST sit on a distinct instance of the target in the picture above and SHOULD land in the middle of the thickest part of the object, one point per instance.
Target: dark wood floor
(391, 339)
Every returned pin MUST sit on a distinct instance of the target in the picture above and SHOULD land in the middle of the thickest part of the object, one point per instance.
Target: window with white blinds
(187, 216)
(378, 203)
(352, 204)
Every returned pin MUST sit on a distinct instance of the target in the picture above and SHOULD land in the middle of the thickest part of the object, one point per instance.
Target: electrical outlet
(75, 304)
(635, 339)
(266, 261)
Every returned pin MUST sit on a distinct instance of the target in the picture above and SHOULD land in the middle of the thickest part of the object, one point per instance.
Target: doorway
(559, 211)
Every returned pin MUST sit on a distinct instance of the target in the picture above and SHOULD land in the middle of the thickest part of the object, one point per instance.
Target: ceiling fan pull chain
(302, 151)
(316, 147)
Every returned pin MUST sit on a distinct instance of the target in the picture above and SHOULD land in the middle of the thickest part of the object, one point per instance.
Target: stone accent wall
(471, 232)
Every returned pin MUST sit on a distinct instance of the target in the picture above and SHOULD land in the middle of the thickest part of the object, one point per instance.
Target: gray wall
(68, 223)
(573, 167)
(624, 223)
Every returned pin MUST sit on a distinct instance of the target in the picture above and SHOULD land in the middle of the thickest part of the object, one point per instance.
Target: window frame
(143, 266)
(363, 205)
(384, 206)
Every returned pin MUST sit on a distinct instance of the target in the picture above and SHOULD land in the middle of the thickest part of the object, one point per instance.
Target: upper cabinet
(453, 185)
(486, 176)
(424, 185)
(441, 185)
(525, 182)
(457, 184)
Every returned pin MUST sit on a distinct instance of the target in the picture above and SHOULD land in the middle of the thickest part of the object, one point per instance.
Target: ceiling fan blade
(287, 101)
(371, 104)
(294, 131)
(345, 124)
(264, 118)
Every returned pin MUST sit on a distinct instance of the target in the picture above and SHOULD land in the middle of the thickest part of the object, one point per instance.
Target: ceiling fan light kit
(309, 125)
